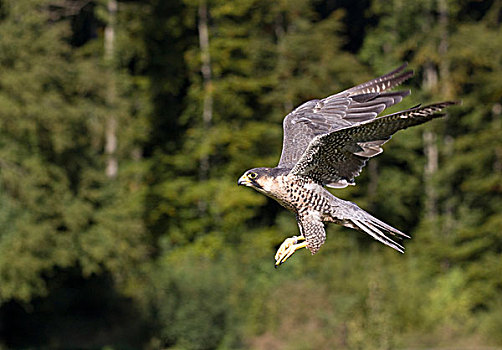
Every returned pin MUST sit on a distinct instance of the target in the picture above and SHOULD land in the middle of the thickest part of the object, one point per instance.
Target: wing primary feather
(342, 154)
(424, 111)
(385, 82)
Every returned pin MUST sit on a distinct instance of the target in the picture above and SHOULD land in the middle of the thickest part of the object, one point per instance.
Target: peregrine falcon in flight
(326, 143)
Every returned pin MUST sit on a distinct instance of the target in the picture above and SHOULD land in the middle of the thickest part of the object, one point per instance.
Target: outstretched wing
(334, 159)
(350, 107)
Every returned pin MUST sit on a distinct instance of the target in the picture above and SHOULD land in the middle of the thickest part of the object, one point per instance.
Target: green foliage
(60, 209)
(193, 299)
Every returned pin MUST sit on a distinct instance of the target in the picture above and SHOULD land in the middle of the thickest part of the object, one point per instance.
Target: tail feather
(388, 228)
(378, 229)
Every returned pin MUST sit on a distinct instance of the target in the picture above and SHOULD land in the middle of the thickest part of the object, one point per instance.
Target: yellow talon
(287, 248)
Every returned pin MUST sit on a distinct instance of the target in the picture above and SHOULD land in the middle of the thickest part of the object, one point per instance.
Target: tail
(377, 229)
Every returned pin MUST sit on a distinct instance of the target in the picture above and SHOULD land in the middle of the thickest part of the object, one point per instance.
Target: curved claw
(287, 248)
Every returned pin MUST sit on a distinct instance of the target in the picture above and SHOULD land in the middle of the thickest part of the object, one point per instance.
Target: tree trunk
(280, 33)
(444, 66)
(447, 93)
(111, 122)
(430, 150)
(431, 82)
(431, 167)
(207, 108)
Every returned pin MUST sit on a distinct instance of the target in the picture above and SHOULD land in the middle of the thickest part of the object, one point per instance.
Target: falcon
(326, 143)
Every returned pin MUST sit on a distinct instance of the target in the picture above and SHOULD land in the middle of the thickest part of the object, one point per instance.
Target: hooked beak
(244, 181)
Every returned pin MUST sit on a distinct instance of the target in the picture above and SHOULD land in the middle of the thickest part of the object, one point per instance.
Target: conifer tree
(60, 210)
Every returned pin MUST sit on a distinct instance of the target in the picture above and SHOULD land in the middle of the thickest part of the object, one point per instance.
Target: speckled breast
(299, 194)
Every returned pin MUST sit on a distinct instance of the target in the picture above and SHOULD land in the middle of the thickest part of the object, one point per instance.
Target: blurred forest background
(124, 126)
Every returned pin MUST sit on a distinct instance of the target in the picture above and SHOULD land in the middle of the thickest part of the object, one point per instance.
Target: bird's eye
(252, 175)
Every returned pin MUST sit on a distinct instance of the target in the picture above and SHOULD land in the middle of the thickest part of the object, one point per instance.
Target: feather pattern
(337, 158)
(327, 142)
(350, 107)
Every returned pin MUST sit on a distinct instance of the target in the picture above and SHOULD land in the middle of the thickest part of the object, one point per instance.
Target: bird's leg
(288, 247)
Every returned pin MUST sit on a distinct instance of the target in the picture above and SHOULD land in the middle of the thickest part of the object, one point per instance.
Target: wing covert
(350, 107)
(336, 158)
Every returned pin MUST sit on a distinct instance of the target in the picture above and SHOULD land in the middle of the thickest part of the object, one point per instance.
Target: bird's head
(258, 178)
